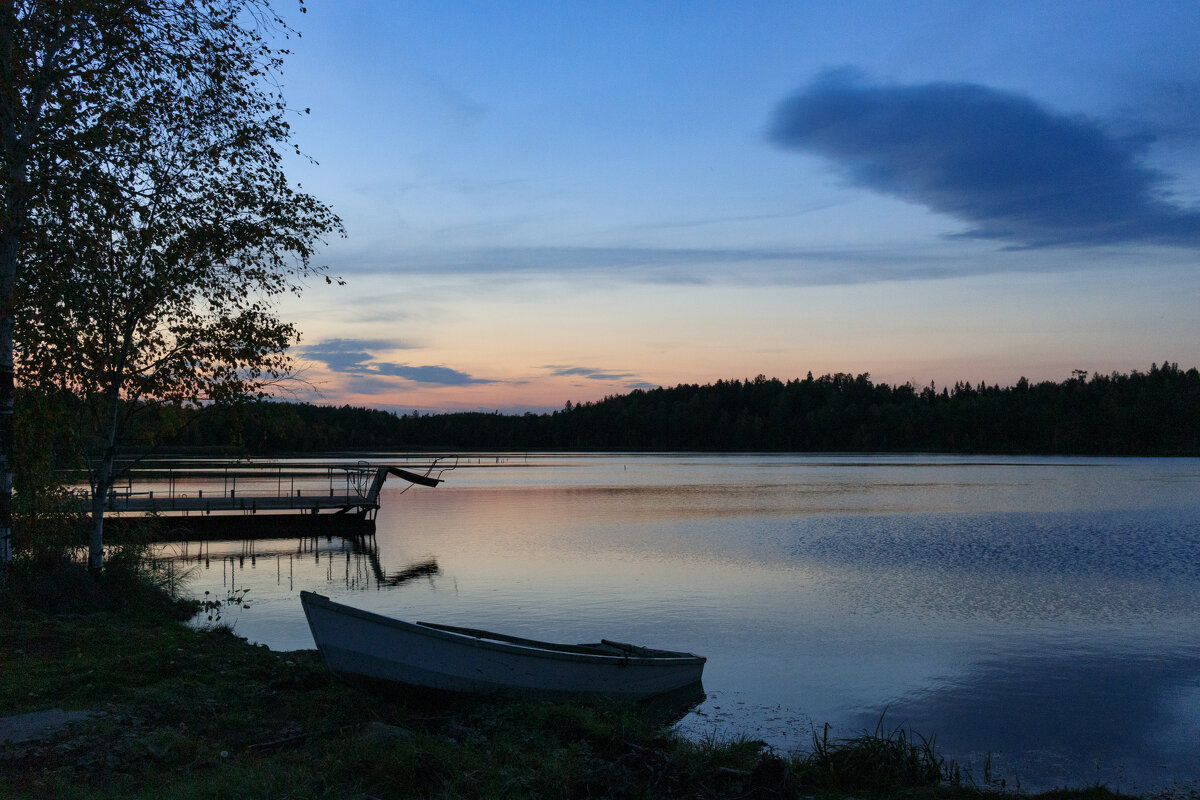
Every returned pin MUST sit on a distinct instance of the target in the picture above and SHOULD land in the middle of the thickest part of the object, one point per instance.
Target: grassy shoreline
(183, 712)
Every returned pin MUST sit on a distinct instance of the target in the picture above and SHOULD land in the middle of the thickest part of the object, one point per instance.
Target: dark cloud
(1011, 169)
(364, 384)
(347, 355)
(443, 376)
(354, 357)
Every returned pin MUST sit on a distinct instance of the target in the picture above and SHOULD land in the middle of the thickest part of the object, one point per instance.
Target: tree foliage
(1140, 413)
(152, 277)
(160, 226)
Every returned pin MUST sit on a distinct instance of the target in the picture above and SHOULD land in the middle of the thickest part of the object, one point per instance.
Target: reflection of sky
(1069, 716)
(1035, 624)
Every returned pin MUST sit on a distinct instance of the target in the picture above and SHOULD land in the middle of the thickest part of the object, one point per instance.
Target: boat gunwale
(532, 647)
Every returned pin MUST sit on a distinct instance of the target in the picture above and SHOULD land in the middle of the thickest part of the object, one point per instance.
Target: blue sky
(560, 201)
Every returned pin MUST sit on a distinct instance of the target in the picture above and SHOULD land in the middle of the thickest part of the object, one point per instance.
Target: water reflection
(1008, 567)
(671, 707)
(1067, 718)
(1045, 608)
(270, 568)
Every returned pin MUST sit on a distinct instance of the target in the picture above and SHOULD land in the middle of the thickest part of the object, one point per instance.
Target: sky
(551, 202)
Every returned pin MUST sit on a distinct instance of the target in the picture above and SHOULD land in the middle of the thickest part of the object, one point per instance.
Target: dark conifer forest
(1141, 413)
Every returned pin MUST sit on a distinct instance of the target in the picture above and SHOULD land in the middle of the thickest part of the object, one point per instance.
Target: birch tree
(49, 56)
(158, 225)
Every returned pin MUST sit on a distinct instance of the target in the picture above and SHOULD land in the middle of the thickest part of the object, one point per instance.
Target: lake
(1043, 611)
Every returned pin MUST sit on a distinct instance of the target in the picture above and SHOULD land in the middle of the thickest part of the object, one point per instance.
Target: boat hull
(360, 644)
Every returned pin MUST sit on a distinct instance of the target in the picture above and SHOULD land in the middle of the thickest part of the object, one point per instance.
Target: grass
(874, 762)
(182, 712)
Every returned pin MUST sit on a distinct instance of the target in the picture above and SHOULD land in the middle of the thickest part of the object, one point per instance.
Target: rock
(37, 725)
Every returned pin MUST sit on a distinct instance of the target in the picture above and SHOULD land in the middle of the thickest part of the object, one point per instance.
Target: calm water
(1043, 610)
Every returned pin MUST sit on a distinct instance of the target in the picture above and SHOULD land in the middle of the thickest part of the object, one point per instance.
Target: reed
(873, 762)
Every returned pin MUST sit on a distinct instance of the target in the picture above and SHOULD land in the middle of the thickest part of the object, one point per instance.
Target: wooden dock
(229, 499)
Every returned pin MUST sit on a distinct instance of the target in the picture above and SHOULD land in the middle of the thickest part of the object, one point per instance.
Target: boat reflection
(673, 706)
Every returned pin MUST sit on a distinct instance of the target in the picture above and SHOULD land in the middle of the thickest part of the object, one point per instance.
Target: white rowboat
(360, 644)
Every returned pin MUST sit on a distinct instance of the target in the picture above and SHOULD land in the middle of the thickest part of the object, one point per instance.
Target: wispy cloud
(354, 357)
(589, 373)
(627, 379)
(653, 263)
(669, 265)
(935, 259)
(998, 161)
(442, 376)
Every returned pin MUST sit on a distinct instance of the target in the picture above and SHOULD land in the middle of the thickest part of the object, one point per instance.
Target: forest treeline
(1140, 413)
